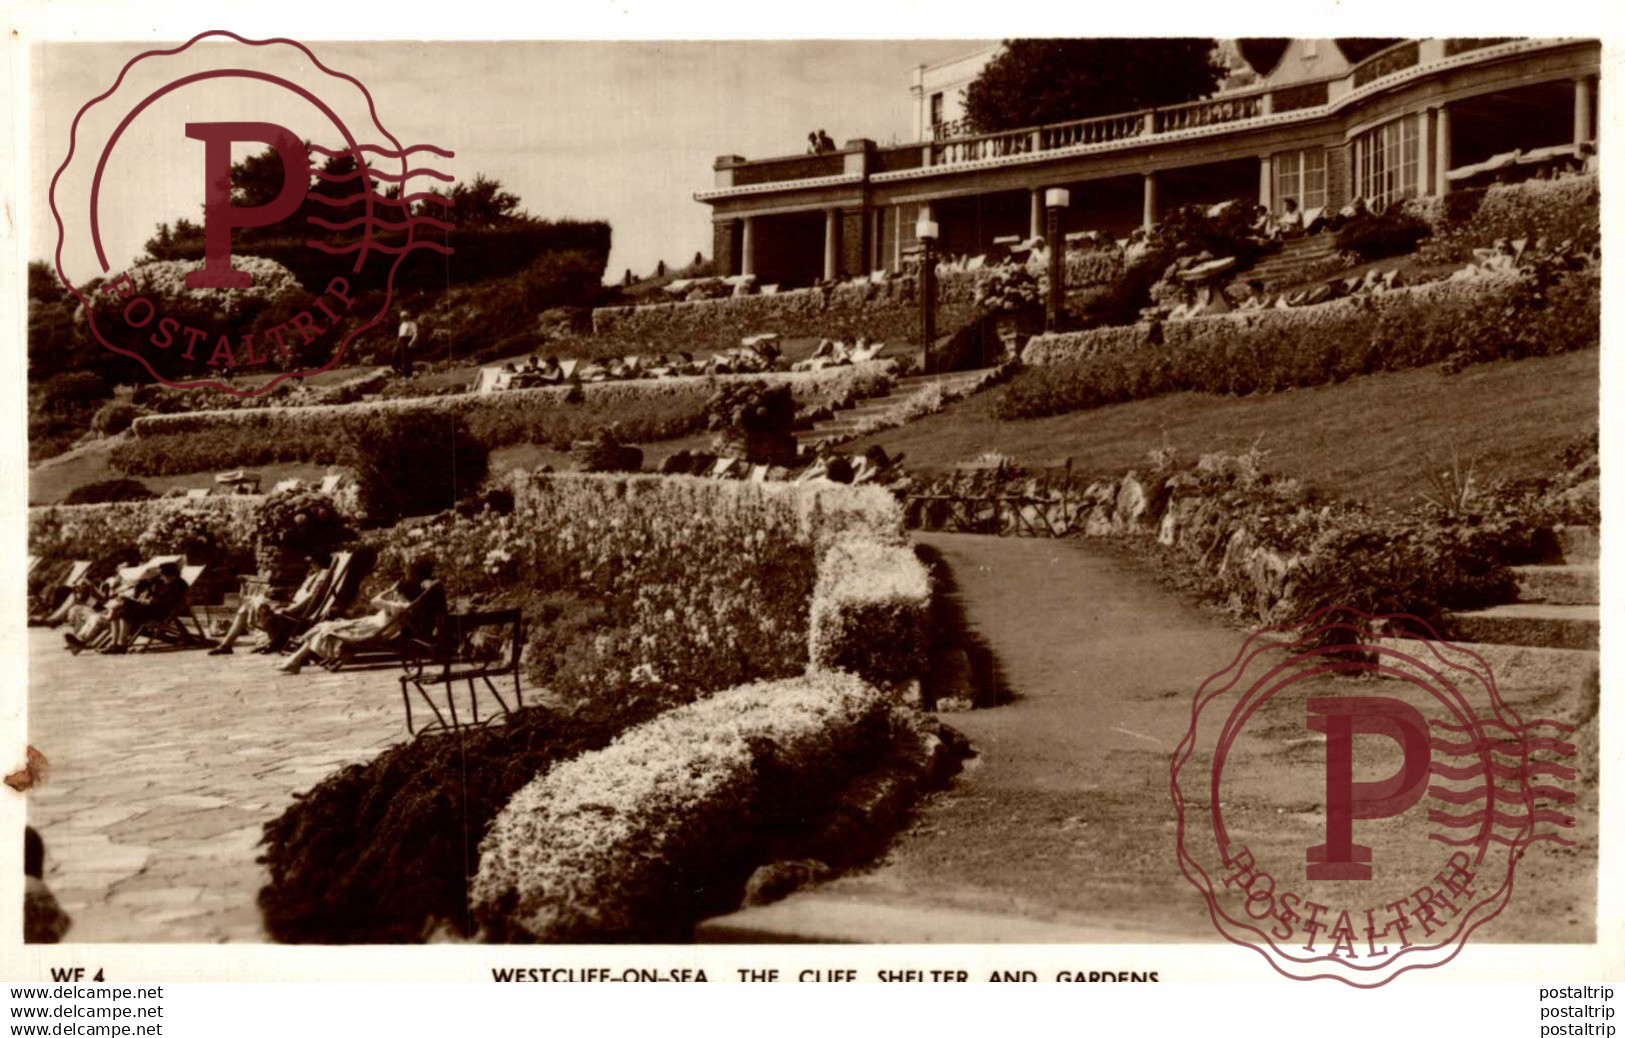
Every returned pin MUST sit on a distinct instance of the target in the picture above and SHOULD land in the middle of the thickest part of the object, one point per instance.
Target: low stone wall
(1217, 329)
(888, 311)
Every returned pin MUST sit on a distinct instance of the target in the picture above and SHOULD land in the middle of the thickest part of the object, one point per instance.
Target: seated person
(153, 598)
(550, 370)
(86, 610)
(277, 619)
(411, 608)
(1290, 221)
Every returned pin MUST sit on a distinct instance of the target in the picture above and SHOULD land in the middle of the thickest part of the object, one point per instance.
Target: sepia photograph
(1044, 490)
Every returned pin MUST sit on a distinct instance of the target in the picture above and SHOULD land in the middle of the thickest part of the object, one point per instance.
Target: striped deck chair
(53, 591)
(173, 629)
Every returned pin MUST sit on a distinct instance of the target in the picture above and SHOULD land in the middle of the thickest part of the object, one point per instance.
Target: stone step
(1578, 543)
(1519, 667)
(1570, 584)
(1528, 623)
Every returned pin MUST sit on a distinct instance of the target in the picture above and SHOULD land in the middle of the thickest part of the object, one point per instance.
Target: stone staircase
(1550, 638)
(844, 424)
(1286, 267)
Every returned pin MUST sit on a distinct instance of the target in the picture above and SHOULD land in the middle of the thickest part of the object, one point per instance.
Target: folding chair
(461, 655)
(172, 629)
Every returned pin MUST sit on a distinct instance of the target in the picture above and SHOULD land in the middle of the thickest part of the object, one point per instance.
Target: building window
(1387, 165)
(936, 112)
(1300, 175)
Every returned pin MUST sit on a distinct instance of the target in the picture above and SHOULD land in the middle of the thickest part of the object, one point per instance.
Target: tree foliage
(1032, 82)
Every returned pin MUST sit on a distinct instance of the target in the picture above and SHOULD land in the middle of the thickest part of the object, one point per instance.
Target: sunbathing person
(411, 608)
(153, 598)
(86, 609)
(268, 613)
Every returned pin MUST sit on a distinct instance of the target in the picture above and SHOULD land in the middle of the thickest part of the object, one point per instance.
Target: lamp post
(1056, 199)
(925, 229)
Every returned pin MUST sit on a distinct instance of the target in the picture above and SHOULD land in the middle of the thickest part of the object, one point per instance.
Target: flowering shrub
(645, 411)
(668, 588)
(1007, 290)
(641, 592)
(869, 611)
(199, 536)
(1564, 209)
(109, 533)
(1537, 311)
(302, 521)
(637, 840)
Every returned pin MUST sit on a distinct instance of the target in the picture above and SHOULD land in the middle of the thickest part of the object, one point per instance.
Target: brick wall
(1339, 176)
(722, 247)
(854, 238)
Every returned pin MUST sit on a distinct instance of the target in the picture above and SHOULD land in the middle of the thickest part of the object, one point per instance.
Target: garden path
(165, 765)
(1062, 828)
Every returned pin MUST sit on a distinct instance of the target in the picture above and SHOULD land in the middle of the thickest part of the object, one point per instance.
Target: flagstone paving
(164, 766)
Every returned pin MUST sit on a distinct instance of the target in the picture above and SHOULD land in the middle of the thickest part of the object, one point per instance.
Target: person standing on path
(405, 338)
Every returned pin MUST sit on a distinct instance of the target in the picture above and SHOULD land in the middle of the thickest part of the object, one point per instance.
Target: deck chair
(331, 482)
(395, 643)
(470, 648)
(173, 629)
(197, 492)
(51, 595)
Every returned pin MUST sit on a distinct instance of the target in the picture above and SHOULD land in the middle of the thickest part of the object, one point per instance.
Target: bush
(645, 411)
(106, 533)
(1564, 209)
(751, 407)
(417, 463)
(639, 840)
(1543, 310)
(1393, 232)
(107, 491)
(381, 852)
(300, 521)
(869, 611)
(113, 418)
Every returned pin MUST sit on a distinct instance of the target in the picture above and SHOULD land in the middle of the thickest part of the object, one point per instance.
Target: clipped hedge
(111, 532)
(1458, 321)
(870, 611)
(644, 410)
(1565, 209)
(640, 839)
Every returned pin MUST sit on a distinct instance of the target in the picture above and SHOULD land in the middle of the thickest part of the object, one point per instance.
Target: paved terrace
(164, 767)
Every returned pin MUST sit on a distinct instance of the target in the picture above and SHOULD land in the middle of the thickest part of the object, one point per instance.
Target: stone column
(747, 246)
(1441, 151)
(1424, 145)
(1150, 214)
(1582, 110)
(1035, 214)
(1266, 182)
(832, 244)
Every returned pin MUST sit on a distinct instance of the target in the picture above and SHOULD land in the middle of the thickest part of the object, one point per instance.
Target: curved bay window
(1386, 162)
(1301, 176)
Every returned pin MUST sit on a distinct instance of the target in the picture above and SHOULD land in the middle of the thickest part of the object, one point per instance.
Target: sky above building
(625, 131)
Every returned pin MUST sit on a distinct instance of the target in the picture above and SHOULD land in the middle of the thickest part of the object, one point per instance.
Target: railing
(1100, 130)
(1453, 47)
(1209, 113)
(952, 144)
(955, 150)
(1399, 56)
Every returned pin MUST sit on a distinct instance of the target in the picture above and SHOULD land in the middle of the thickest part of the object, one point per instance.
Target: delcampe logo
(300, 242)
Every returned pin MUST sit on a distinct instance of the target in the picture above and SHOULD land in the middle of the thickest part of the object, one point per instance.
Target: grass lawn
(1365, 439)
